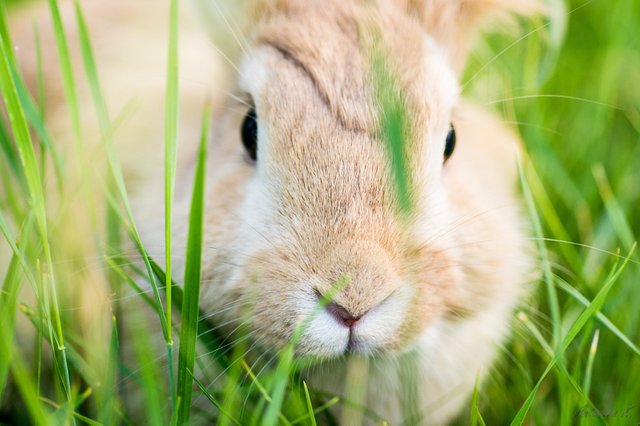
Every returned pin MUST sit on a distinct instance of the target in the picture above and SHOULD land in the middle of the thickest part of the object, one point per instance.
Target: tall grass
(580, 129)
(48, 298)
(574, 358)
(171, 141)
(191, 301)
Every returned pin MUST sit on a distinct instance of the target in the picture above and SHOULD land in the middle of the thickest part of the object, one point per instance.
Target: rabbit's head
(302, 200)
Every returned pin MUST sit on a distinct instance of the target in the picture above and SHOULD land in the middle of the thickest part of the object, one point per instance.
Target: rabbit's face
(302, 162)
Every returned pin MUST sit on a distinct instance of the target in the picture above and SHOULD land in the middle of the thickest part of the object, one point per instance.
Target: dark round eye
(249, 133)
(450, 144)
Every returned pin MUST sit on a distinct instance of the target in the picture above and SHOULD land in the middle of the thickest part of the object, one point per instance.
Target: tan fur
(455, 22)
(319, 205)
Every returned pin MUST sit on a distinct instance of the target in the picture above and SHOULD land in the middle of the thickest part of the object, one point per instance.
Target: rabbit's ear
(455, 22)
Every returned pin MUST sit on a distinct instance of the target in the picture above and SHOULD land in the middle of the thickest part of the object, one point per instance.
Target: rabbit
(300, 194)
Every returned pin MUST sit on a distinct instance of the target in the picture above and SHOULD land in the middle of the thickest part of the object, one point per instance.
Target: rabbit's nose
(342, 315)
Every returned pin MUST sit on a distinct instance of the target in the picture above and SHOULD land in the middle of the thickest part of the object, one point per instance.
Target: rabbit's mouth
(332, 331)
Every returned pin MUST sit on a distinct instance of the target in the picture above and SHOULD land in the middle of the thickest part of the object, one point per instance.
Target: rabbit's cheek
(432, 279)
(425, 308)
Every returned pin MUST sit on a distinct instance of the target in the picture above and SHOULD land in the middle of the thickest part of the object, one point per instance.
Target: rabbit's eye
(450, 144)
(249, 133)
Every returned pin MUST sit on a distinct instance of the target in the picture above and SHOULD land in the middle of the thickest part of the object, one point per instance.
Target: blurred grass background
(571, 87)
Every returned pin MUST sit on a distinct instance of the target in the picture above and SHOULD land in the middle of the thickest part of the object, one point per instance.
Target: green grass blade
(8, 308)
(25, 385)
(552, 296)
(21, 134)
(149, 373)
(36, 193)
(33, 115)
(215, 402)
(66, 68)
(9, 150)
(548, 352)
(175, 415)
(12, 200)
(191, 293)
(550, 216)
(119, 271)
(614, 210)
(261, 389)
(213, 340)
(4, 32)
(171, 141)
(232, 397)
(75, 357)
(254, 380)
(475, 416)
(586, 384)
(578, 324)
(312, 415)
(604, 320)
(92, 72)
(322, 408)
(281, 380)
(9, 293)
(394, 123)
(40, 72)
(108, 394)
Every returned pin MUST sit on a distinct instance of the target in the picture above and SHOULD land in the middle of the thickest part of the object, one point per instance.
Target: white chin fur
(324, 337)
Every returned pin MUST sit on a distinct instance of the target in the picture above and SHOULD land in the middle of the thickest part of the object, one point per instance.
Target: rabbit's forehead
(330, 46)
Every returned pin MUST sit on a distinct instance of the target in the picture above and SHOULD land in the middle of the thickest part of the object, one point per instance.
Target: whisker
(465, 220)
(223, 324)
(235, 97)
(232, 363)
(554, 96)
(573, 243)
(233, 305)
(502, 52)
(235, 32)
(532, 125)
(257, 375)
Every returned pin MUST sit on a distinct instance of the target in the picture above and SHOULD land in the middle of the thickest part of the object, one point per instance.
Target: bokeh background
(571, 85)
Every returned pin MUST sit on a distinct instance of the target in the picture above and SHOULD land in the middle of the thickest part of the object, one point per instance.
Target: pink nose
(342, 315)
